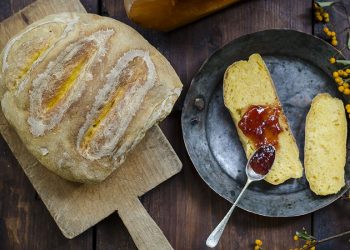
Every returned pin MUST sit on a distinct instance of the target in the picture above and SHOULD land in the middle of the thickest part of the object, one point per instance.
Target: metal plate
(299, 66)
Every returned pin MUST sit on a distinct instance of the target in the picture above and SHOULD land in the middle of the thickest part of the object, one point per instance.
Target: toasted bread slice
(325, 145)
(248, 83)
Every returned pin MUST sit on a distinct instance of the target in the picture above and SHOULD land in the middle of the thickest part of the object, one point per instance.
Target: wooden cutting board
(77, 207)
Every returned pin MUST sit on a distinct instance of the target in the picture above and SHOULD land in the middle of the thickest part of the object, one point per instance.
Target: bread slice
(249, 83)
(325, 145)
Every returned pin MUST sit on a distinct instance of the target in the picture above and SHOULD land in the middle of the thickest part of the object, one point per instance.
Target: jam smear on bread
(260, 124)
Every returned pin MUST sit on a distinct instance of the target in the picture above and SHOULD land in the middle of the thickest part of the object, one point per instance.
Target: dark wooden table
(184, 207)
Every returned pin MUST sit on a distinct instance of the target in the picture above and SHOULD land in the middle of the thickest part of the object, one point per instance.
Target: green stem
(344, 62)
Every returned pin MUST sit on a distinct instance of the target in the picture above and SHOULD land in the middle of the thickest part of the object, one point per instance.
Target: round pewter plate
(299, 66)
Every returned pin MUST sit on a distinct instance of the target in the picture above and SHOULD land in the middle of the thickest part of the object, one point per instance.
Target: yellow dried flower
(258, 242)
(334, 42)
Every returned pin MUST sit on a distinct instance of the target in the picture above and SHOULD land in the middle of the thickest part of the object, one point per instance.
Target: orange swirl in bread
(63, 82)
(32, 46)
(116, 104)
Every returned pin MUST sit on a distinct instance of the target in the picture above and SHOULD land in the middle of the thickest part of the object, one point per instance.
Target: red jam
(260, 124)
(262, 160)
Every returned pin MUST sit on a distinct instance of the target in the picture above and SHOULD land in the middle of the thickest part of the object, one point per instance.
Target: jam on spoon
(262, 159)
(260, 124)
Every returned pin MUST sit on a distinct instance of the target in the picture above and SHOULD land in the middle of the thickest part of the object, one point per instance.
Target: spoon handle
(215, 236)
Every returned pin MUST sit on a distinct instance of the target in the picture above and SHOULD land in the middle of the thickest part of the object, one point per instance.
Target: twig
(326, 239)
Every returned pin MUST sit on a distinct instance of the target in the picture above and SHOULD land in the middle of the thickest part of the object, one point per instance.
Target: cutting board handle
(142, 228)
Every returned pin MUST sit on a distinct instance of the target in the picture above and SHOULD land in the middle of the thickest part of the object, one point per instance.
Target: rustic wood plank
(77, 207)
(10, 7)
(91, 6)
(332, 220)
(336, 217)
(174, 186)
(184, 207)
(111, 234)
(25, 222)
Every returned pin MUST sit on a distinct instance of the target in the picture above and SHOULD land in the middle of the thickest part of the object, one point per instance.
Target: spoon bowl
(260, 163)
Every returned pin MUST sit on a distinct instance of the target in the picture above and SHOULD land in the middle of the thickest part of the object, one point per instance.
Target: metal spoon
(261, 160)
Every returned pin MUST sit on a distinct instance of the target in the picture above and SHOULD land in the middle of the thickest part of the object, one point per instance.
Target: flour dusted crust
(82, 90)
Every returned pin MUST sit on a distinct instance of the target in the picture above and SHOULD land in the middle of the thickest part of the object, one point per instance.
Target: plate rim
(183, 127)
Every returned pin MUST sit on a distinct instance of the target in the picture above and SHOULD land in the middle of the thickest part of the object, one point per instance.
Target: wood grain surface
(25, 222)
(336, 217)
(193, 208)
(77, 207)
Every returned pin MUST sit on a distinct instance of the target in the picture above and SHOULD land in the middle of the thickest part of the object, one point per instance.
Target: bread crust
(249, 83)
(82, 90)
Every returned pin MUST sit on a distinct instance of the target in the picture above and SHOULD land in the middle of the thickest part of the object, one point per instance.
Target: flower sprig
(331, 35)
(308, 241)
(342, 78)
(320, 14)
(311, 241)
